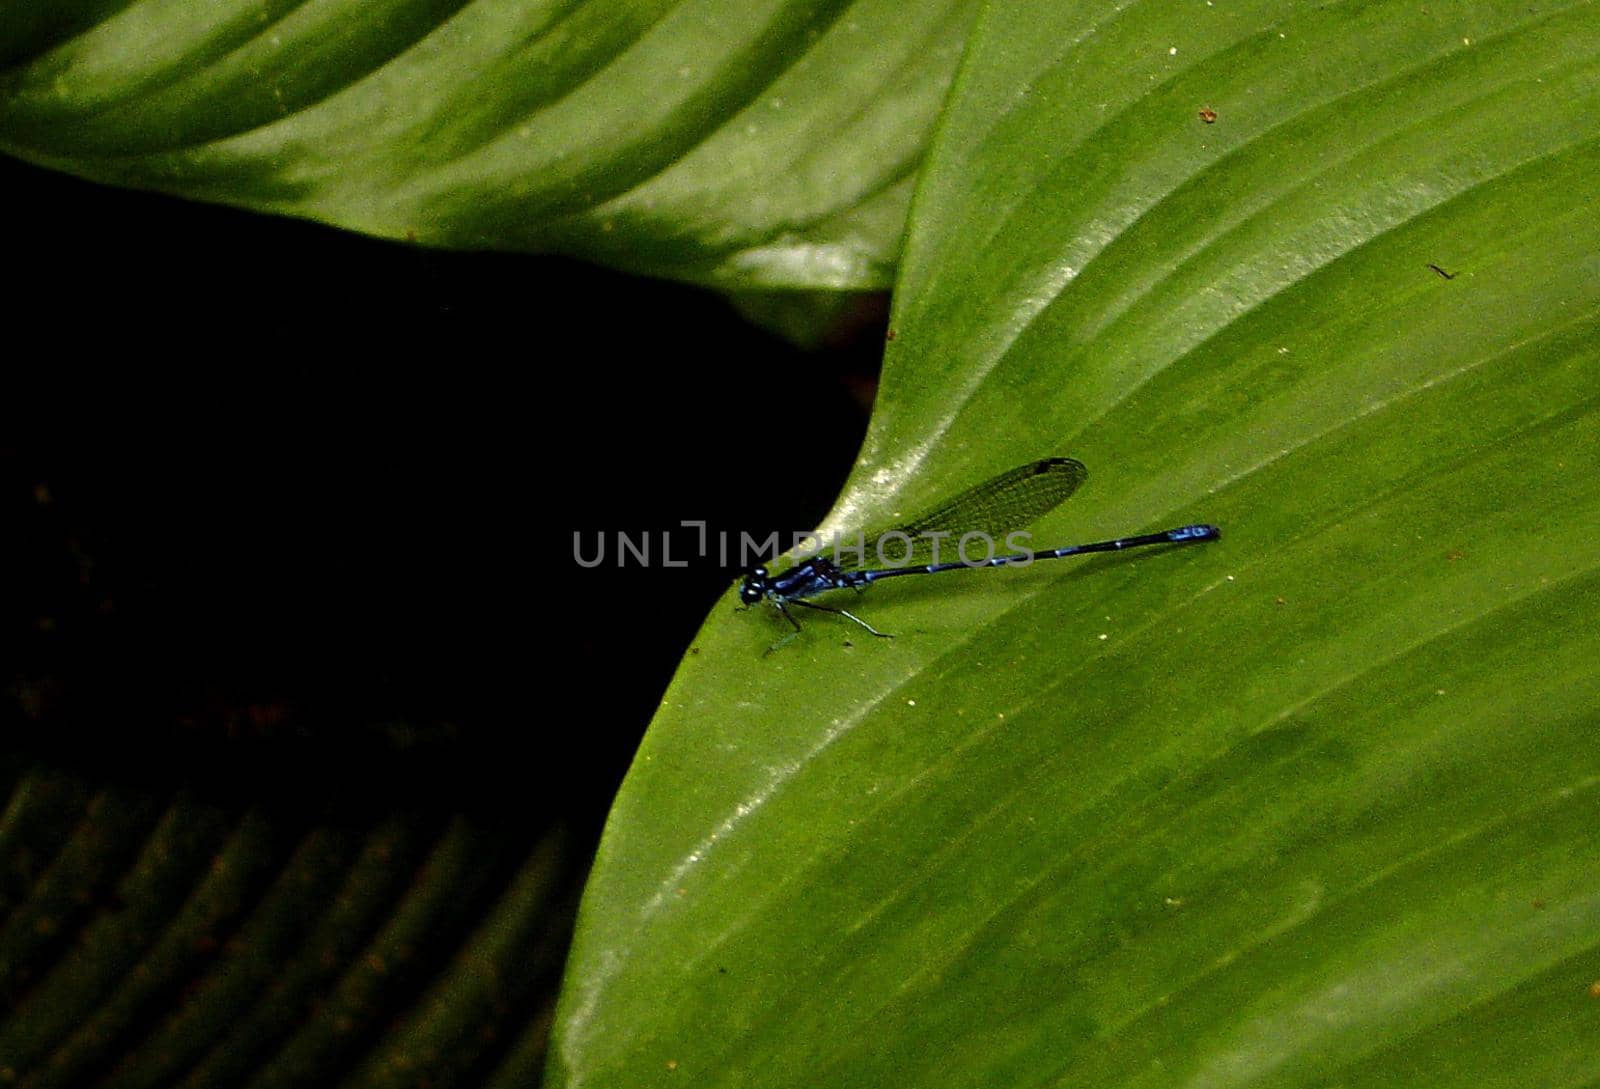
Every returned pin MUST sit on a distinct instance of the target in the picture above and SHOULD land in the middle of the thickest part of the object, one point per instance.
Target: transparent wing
(1011, 501)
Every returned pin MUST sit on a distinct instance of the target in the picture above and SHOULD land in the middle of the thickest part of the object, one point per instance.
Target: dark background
(289, 512)
(271, 465)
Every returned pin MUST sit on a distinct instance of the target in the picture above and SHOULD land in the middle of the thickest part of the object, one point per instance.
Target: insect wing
(996, 508)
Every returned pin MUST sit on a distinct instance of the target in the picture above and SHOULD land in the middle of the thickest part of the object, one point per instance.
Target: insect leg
(787, 615)
(848, 615)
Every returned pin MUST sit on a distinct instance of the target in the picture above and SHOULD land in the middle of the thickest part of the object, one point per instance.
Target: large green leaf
(748, 143)
(1313, 805)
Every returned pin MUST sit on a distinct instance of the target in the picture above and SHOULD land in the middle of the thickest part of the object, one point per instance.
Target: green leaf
(767, 144)
(1312, 805)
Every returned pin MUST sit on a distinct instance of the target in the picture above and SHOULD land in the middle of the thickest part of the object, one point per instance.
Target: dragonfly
(988, 511)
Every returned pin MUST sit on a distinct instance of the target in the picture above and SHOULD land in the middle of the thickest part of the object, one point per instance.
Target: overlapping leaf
(768, 144)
